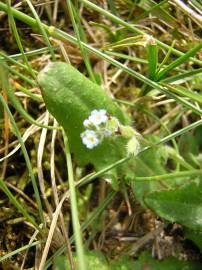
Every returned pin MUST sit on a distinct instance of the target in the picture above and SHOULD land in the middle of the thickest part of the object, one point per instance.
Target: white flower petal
(86, 123)
(90, 139)
(102, 111)
(94, 112)
(98, 117)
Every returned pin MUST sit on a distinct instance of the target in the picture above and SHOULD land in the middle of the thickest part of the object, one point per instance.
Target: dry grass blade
(39, 164)
(190, 12)
(52, 229)
(29, 132)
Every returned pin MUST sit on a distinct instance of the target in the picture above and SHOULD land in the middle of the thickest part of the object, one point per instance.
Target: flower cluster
(100, 125)
(96, 128)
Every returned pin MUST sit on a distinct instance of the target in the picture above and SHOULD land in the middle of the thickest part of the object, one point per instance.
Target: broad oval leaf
(147, 262)
(70, 97)
(182, 205)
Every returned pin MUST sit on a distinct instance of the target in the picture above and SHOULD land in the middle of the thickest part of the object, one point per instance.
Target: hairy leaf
(183, 205)
(70, 97)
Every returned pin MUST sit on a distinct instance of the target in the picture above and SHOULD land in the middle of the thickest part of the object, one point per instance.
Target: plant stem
(179, 61)
(78, 33)
(17, 38)
(74, 208)
(169, 176)
(43, 32)
(17, 251)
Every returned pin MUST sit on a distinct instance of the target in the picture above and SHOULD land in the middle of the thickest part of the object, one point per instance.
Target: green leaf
(70, 97)
(195, 236)
(183, 205)
(198, 136)
(95, 260)
(123, 263)
(160, 12)
(188, 146)
(145, 261)
(148, 163)
(180, 60)
(183, 91)
(61, 263)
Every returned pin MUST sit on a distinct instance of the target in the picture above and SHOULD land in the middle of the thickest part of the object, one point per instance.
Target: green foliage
(157, 10)
(123, 263)
(145, 261)
(195, 236)
(71, 97)
(183, 205)
(96, 261)
(148, 163)
(198, 136)
(188, 146)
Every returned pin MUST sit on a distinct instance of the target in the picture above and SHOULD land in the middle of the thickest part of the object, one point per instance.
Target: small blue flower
(90, 138)
(98, 117)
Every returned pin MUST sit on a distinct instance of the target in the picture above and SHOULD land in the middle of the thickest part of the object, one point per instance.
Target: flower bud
(133, 147)
(112, 125)
(127, 132)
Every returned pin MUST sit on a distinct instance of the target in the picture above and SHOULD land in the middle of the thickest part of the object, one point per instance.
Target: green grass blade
(41, 28)
(64, 36)
(185, 76)
(74, 208)
(179, 61)
(182, 91)
(152, 58)
(112, 7)
(158, 10)
(152, 8)
(28, 163)
(28, 54)
(166, 56)
(20, 75)
(197, 5)
(93, 216)
(4, 57)
(37, 98)
(169, 176)
(16, 103)
(127, 57)
(17, 251)
(152, 115)
(16, 203)
(131, 27)
(17, 37)
(78, 35)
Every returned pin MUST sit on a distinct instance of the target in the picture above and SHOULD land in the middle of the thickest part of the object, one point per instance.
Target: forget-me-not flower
(98, 117)
(90, 138)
